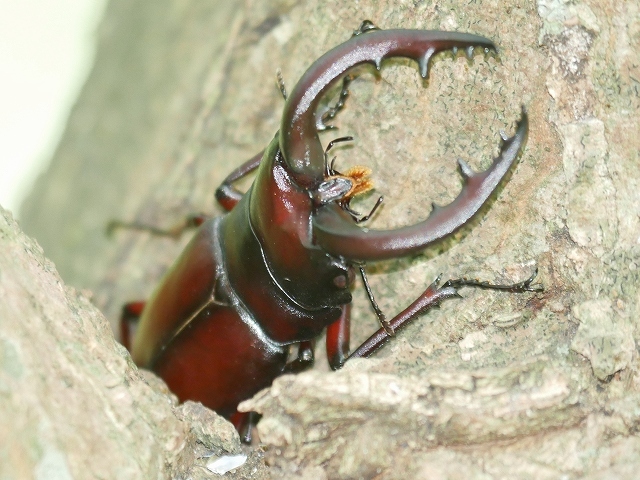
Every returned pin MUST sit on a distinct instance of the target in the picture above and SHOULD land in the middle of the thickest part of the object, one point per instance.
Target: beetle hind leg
(244, 423)
(175, 231)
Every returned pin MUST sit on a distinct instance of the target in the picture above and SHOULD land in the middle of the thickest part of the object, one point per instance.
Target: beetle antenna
(333, 171)
(330, 113)
(329, 165)
(331, 144)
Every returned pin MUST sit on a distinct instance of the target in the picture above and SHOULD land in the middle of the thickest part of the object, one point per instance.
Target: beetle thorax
(280, 214)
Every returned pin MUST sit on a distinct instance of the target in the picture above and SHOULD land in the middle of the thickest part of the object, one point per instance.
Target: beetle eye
(340, 281)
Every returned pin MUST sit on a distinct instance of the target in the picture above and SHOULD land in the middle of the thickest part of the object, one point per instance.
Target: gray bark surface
(72, 404)
(490, 386)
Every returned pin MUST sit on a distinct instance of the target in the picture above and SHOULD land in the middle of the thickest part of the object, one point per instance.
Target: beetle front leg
(432, 297)
(227, 196)
(338, 339)
(520, 287)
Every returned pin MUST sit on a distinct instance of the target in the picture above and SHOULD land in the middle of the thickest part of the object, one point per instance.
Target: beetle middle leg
(304, 359)
(245, 421)
(226, 195)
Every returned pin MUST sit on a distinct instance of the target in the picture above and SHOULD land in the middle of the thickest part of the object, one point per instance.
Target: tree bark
(492, 385)
(73, 405)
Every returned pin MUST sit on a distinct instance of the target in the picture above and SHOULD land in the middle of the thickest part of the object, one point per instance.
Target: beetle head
(308, 238)
(281, 217)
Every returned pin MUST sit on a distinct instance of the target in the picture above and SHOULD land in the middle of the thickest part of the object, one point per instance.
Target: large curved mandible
(336, 232)
(299, 140)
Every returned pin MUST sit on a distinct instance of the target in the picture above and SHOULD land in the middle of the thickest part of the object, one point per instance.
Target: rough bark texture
(72, 404)
(490, 386)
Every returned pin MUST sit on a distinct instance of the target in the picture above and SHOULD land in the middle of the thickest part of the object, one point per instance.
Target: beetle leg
(432, 297)
(525, 286)
(338, 339)
(304, 360)
(226, 194)
(379, 313)
(244, 423)
(175, 231)
(128, 321)
(330, 113)
(365, 26)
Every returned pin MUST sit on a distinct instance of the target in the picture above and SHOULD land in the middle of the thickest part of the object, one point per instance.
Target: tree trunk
(492, 385)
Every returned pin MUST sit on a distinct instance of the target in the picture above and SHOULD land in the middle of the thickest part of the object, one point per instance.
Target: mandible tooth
(504, 136)
(378, 63)
(469, 52)
(434, 208)
(423, 63)
(454, 50)
(465, 169)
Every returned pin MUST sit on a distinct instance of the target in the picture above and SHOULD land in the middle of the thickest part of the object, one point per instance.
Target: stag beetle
(277, 269)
